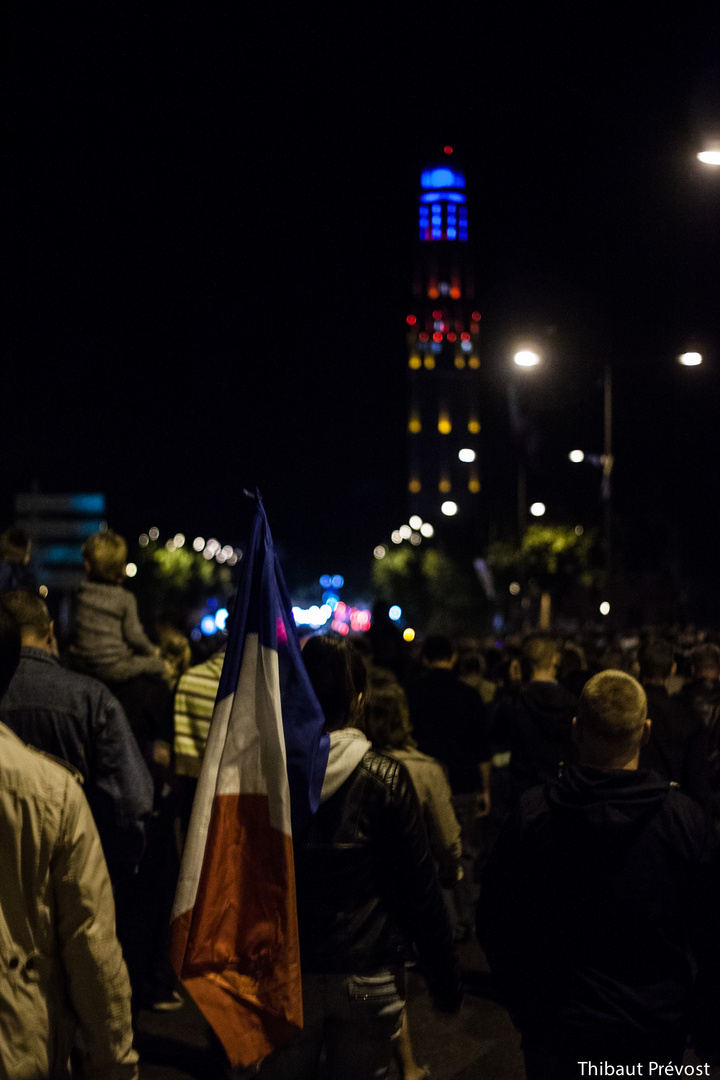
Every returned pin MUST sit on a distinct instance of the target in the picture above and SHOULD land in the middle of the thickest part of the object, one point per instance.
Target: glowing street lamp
(690, 359)
(711, 154)
(526, 358)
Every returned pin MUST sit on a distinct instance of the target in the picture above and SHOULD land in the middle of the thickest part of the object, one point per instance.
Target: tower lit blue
(442, 213)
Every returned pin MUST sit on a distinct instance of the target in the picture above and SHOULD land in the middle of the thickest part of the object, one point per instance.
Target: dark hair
(9, 648)
(386, 718)
(14, 545)
(338, 677)
(29, 611)
(706, 659)
(437, 647)
(656, 659)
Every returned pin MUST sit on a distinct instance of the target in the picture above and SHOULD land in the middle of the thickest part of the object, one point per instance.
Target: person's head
(657, 660)
(105, 556)
(705, 662)
(438, 651)
(470, 663)
(175, 651)
(9, 648)
(611, 723)
(386, 717)
(338, 677)
(15, 545)
(539, 656)
(33, 618)
(572, 659)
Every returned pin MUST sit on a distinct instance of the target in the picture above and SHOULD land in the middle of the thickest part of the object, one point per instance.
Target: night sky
(210, 233)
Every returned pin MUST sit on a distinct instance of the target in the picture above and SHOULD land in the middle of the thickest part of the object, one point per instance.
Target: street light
(526, 358)
(690, 359)
(711, 154)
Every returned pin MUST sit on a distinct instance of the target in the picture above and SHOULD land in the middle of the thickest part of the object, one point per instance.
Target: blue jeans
(355, 1018)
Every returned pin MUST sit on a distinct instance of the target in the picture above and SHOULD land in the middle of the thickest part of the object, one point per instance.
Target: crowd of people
(558, 798)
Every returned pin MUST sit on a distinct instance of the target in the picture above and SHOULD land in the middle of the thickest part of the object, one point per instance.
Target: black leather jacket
(367, 885)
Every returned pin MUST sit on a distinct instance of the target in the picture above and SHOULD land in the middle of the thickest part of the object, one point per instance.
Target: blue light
(442, 196)
(88, 504)
(221, 617)
(59, 553)
(441, 178)
(338, 581)
(326, 581)
(466, 346)
(436, 347)
(451, 233)
(436, 234)
(207, 625)
(463, 235)
(395, 613)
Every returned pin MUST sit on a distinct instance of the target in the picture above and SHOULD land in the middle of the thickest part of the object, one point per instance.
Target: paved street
(479, 1043)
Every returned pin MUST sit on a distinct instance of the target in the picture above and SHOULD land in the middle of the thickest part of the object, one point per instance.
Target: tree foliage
(551, 558)
(437, 594)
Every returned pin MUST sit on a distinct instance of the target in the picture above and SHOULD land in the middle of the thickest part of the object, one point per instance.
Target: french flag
(233, 933)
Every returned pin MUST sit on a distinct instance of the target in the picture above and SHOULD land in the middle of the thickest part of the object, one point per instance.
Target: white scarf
(347, 749)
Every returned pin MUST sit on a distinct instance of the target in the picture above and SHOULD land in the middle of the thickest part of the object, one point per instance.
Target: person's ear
(647, 731)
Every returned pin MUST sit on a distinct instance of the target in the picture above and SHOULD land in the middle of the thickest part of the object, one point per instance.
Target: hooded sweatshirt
(535, 724)
(596, 905)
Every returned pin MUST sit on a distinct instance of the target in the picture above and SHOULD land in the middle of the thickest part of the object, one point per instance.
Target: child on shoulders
(109, 641)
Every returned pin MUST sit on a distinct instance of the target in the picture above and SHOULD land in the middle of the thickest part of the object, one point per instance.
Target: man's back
(448, 721)
(679, 746)
(591, 899)
(597, 910)
(77, 719)
(61, 957)
(535, 723)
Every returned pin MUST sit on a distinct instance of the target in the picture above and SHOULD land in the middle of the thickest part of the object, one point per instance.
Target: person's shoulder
(85, 686)
(22, 767)
(384, 771)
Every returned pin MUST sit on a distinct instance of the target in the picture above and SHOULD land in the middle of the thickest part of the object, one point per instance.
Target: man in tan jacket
(63, 981)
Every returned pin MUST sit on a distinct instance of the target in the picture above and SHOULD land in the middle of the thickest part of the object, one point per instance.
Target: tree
(551, 562)
(437, 594)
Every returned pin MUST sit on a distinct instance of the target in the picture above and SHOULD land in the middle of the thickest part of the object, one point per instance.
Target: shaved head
(613, 707)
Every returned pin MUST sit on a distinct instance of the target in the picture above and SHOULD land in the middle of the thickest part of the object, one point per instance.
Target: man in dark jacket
(76, 718)
(449, 723)
(536, 722)
(597, 906)
(678, 747)
(702, 695)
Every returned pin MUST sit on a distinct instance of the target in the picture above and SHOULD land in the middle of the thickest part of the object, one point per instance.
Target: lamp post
(525, 358)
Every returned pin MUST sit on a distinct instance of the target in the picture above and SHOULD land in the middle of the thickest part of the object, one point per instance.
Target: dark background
(210, 233)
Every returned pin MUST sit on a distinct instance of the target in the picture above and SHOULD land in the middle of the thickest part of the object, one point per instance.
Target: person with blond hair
(109, 641)
(597, 909)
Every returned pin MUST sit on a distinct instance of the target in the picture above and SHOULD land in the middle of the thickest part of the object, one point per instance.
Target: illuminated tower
(443, 361)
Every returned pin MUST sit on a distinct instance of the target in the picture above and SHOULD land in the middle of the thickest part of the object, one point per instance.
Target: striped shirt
(194, 703)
